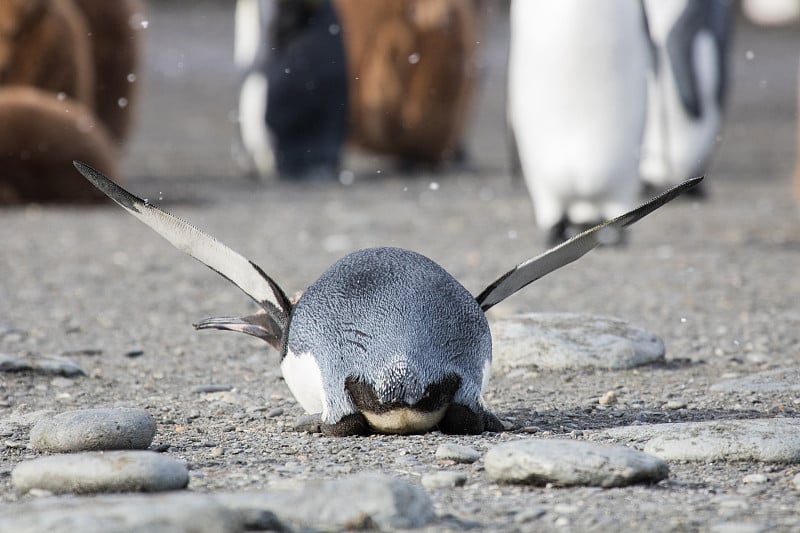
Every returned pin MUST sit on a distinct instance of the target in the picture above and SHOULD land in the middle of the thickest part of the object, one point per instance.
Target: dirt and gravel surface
(717, 280)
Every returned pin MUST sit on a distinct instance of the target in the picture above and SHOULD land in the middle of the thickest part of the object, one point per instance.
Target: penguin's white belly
(577, 100)
(304, 379)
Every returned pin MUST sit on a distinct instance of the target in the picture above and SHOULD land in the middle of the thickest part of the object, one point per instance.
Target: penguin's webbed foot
(349, 425)
(462, 420)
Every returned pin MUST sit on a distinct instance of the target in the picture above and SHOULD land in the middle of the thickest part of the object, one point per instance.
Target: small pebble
(278, 411)
(134, 352)
(529, 515)
(94, 429)
(677, 403)
(457, 453)
(443, 480)
(82, 351)
(755, 478)
(61, 382)
(96, 472)
(207, 389)
(217, 452)
(609, 398)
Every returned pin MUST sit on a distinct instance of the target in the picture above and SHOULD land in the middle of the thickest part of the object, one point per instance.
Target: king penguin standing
(577, 106)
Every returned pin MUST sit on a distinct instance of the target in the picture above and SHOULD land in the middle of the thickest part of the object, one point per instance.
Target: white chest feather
(303, 376)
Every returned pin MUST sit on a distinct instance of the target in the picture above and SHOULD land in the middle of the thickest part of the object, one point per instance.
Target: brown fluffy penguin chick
(40, 136)
(412, 66)
(115, 35)
(43, 43)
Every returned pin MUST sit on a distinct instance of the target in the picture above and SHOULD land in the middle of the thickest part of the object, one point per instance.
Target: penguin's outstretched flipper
(206, 249)
(260, 325)
(529, 271)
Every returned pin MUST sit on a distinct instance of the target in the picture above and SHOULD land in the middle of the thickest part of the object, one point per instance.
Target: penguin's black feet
(564, 230)
(347, 426)
(462, 420)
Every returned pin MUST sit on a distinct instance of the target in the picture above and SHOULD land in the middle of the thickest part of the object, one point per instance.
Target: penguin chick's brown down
(44, 44)
(385, 340)
(115, 29)
(39, 136)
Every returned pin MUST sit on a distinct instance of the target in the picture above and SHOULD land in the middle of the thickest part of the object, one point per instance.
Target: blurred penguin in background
(771, 12)
(687, 88)
(413, 68)
(115, 30)
(577, 105)
(253, 149)
(293, 99)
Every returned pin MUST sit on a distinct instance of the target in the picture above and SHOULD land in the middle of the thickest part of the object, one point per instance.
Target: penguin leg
(460, 419)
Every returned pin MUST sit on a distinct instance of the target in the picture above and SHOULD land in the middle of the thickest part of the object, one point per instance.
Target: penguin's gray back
(395, 322)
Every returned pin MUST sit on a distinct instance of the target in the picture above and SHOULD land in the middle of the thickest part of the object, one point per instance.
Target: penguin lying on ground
(686, 88)
(577, 97)
(385, 340)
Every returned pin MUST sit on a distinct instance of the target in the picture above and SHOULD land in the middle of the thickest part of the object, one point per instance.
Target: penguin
(44, 43)
(577, 97)
(40, 135)
(296, 83)
(412, 70)
(115, 36)
(771, 13)
(687, 88)
(252, 148)
(385, 341)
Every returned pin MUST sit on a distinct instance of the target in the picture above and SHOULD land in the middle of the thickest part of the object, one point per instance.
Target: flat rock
(163, 513)
(94, 429)
(571, 462)
(375, 500)
(458, 453)
(780, 380)
(94, 472)
(768, 440)
(565, 340)
(41, 365)
(10, 363)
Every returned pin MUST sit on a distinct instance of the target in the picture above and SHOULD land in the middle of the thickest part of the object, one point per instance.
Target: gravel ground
(717, 280)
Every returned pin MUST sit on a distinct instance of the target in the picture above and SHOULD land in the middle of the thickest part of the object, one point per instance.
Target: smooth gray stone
(571, 462)
(780, 380)
(9, 363)
(58, 367)
(458, 453)
(94, 472)
(768, 440)
(382, 500)
(94, 429)
(565, 340)
(309, 423)
(163, 513)
(443, 480)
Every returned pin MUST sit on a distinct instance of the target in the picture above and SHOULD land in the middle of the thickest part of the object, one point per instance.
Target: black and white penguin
(576, 104)
(293, 99)
(686, 87)
(253, 151)
(385, 340)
